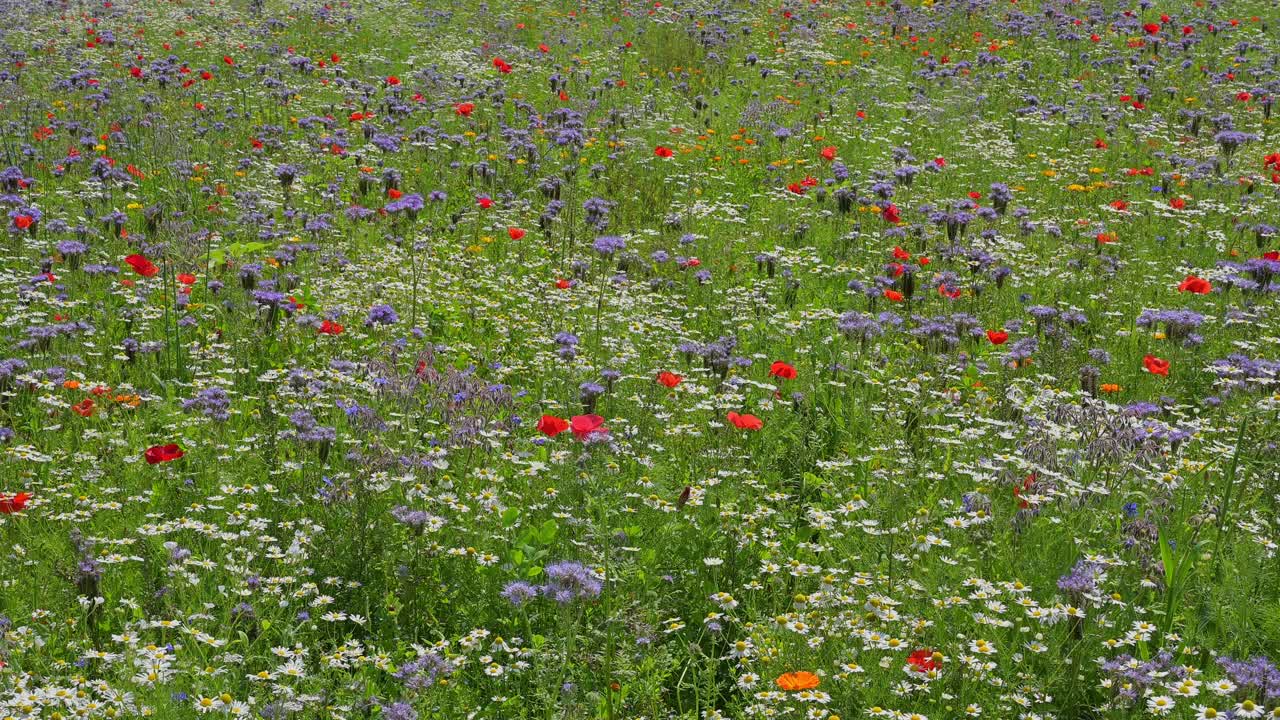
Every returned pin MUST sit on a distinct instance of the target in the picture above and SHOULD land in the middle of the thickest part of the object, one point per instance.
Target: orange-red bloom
(10, 504)
(669, 379)
(1156, 366)
(584, 426)
(802, 680)
(163, 454)
(922, 660)
(782, 370)
(744, 421)
(1196, 285)
(551, 426)
(142, 266)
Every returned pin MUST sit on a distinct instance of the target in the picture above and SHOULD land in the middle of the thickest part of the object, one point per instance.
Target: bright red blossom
(142, 266)
(1196, 285)
(922, 660)
(163, 454)
(584, 426)
(744, 422)
(1156, 366)
(782, 370)
(10, 504)
(551, 426)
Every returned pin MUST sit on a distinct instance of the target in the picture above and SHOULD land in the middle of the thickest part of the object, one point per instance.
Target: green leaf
(1166, 556)
(510, 515)
(547, 532)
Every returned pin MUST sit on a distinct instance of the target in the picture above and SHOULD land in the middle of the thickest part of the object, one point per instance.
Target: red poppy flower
(1018, 491)
(484, 201)
(829, 152)
(551, 426)
(745, 422)
(1270, 160)
(796, 188)
(163, 454)
(1151, 28)
(922, 660)
(84, 408)
(563, 284)
(186, 278)
(669, 379)
(1156, 366)
(515, 233)
(893, 295)
(542, 47)
(940, 162)
(900, 254)
(997, 337)
(228, 60)
(1196, 285)
(142, 266)
(1120, 205)
(975, 195)
(583, 426)
(135, 71)
(329, 327)
(891, 214)
(663, 151)
(464, 109)
(22, 222)
(394, 194)
(10, 504)
(782, 370)
(1177, 203)
(393, 80)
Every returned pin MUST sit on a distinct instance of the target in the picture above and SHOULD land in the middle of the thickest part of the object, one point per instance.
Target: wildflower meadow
(697, 359)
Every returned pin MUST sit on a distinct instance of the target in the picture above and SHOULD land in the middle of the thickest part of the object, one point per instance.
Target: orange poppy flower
(802, 680)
